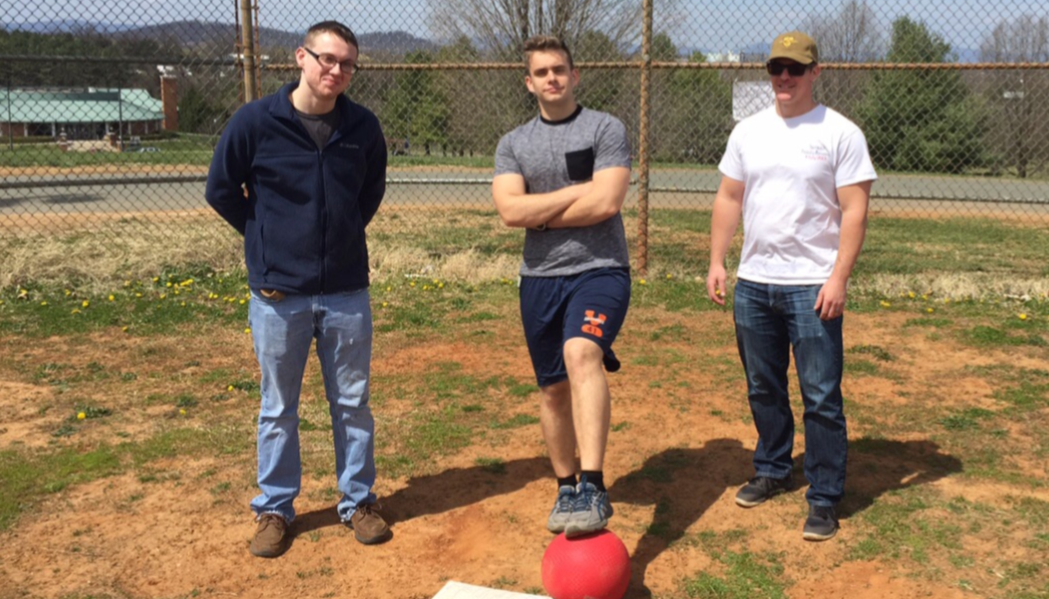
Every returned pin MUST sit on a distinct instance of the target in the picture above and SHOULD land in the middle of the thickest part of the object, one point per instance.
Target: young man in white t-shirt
(800, 175)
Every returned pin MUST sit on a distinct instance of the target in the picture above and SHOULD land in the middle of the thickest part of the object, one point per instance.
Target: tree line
(916, 120)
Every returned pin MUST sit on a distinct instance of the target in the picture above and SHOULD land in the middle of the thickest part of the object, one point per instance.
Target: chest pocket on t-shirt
(580, 164)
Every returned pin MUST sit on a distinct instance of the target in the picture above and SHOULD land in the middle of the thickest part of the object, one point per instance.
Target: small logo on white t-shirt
(816, 152)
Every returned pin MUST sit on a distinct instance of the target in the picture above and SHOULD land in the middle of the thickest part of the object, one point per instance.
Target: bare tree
(851, 35)
(1020, 99)
(502, 26)
(1025, 39)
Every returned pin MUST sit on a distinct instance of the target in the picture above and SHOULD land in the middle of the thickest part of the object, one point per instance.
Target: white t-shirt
(791, 170)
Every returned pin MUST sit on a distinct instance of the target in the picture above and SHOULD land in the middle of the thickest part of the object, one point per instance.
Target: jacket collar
(283, 108)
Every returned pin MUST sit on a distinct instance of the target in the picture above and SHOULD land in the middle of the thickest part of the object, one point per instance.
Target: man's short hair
(335, 28)
(545, 43)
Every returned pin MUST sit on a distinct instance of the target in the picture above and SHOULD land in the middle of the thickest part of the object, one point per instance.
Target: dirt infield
(180, 527)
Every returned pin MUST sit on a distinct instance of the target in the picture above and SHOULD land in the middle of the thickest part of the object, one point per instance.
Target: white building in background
(723, 57)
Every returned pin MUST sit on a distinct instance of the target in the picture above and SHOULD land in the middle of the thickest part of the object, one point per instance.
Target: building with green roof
(79, 114)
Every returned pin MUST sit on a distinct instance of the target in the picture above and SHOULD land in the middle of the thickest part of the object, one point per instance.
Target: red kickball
(595, 566)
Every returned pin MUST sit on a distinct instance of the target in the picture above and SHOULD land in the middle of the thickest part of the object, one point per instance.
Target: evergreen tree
(921, 120)
(415, 113)
(691, 109)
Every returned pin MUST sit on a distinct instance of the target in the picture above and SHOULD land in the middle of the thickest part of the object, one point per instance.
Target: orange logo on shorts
(593, 324)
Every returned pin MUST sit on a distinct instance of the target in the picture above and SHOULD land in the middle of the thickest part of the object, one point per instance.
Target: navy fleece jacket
(305, 210)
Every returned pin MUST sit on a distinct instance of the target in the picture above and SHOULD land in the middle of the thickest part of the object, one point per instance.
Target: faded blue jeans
(283, 332)
(770, 319)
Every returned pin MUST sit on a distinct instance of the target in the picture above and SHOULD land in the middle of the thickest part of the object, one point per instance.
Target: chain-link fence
(109, 112)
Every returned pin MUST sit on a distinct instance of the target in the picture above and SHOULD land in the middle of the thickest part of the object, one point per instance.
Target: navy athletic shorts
(591, 304)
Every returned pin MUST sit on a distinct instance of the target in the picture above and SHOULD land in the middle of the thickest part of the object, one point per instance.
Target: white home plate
(458, 590)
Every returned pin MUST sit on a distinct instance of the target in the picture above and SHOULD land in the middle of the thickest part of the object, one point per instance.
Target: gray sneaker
(762, 488)
(821, 524)
(562, 509)
(591, 511)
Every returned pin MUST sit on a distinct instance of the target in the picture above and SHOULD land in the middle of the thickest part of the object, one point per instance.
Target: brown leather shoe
(368, 526)
(271, 537)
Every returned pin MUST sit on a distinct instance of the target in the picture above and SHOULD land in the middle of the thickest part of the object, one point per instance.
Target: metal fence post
(247, 47)
(642, 200)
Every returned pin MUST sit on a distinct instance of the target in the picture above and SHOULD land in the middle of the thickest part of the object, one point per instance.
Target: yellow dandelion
(112, 297)
(229, 388)
(124, 329)
(156, 279)
(68, 293)
(127, 283)
(1023, 316)
(182, 411)
(412, 284)
(81, 416)
(85, 304)
(642, 282)
(389, 288)
(929, 310)
(247, 330)
(186, 283)
(885, 304)
(43, 303)
(138, 295)
(168, 284)
(384, 304)
(183, 304)
(242, 302)
(669, 276)
(163, 295)
(440, 285)
(910, 294)
(925, 296)
(75, 311)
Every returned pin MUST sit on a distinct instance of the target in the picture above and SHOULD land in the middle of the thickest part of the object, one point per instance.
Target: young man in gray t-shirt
(563, 177)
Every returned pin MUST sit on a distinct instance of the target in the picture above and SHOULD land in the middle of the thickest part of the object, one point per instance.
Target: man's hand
(716, 284)
(830, 303)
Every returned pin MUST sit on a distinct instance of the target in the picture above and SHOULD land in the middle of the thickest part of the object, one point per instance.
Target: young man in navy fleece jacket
(300, 174)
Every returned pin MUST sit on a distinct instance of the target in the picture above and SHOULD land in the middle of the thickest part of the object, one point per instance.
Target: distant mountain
(197, 33)
(65, 26)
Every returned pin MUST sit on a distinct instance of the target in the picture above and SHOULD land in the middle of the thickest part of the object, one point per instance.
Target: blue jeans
(770, 319)
(283, 332)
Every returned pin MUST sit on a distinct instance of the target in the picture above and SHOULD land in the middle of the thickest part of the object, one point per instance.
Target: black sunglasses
(795, 69)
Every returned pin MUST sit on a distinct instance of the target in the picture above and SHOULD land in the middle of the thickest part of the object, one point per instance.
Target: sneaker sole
(744, 503)
(578, 531)
(815, 536)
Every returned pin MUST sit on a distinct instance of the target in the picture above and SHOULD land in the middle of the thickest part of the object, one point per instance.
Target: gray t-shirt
(320, 126)
(553, 155)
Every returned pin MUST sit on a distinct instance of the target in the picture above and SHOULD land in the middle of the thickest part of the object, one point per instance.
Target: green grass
(30, 477)
(954, 245)
(746, 576)
(185, 150)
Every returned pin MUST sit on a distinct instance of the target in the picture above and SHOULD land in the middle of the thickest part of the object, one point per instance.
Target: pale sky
(713, 25)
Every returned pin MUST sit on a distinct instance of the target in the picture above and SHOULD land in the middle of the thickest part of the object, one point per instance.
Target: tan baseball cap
(796, 46)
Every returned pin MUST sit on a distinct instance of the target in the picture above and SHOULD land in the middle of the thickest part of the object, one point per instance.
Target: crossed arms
(578, 205)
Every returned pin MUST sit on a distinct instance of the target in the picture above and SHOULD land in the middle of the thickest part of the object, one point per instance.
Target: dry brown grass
(955, 285)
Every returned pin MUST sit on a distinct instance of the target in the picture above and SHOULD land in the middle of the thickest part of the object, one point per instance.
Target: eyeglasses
(329, 61)
(795, 69)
